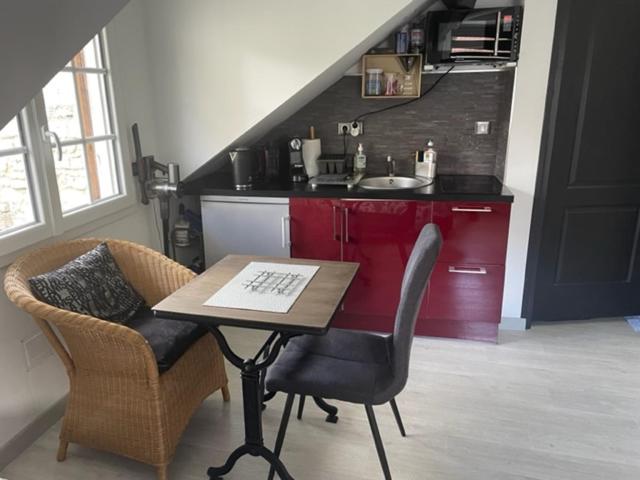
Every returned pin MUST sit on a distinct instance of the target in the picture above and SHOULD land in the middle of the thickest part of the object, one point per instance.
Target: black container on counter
(244, 162)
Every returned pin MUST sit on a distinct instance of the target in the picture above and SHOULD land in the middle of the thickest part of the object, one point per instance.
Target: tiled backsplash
(447, 115)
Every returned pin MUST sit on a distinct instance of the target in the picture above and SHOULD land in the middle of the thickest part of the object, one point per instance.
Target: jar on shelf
(416, 40)
(374, 82)
(391, 84)
(407, 85)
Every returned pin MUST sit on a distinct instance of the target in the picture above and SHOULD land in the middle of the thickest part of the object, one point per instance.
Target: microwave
(489, 35)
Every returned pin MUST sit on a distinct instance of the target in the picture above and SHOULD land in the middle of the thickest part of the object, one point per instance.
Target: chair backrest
(414, 284)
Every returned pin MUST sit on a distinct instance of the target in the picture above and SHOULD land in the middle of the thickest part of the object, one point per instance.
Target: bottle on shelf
(360, 161)
(431, 159)
(402, 40)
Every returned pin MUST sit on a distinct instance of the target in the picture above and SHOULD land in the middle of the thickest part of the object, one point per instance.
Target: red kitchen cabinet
(464, 298)
(466, 288)
(473, 232)
(316, 228)
(464, 301)
(379, 235)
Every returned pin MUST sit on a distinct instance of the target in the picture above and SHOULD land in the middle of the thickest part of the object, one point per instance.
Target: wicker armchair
(118, 401)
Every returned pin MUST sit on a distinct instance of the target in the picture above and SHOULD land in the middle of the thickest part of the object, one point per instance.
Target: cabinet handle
(469, 271)
(472, 210)
(286, 242)
(346, 225)
(335, 234)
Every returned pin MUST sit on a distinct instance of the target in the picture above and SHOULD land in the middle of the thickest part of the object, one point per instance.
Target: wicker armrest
(92, 344)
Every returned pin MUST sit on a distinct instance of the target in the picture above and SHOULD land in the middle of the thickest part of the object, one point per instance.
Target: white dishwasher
(245, 226)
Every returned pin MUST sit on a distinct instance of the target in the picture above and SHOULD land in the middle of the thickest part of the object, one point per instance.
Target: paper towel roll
(311, 151)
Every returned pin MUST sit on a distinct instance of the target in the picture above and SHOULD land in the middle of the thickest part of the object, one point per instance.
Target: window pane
(93, 104)
(62, 107)
(73, 182)
(78, 109)
(10, 136)
(106, 168)
(89, 56)
(16, 208)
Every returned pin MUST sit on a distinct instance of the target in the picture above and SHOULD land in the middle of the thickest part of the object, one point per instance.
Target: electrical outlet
(483, 128)
(351, 128)
(36, 350)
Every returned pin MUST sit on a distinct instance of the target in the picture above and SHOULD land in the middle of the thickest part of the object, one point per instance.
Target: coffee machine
(297, 170)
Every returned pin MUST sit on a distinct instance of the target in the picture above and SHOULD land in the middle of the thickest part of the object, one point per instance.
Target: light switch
(483, 128)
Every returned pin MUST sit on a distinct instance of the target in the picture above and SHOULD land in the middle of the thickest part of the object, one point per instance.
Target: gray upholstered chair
(359, 367)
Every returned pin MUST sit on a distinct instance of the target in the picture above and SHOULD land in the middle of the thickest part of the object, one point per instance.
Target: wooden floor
(557, 402)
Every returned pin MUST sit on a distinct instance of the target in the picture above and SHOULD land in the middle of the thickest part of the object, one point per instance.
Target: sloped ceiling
(226, 72)
(38, 37)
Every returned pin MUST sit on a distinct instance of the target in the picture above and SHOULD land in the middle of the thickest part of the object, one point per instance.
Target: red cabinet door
(316, 228)
(464, 301)
(379, 235)
(473, 232)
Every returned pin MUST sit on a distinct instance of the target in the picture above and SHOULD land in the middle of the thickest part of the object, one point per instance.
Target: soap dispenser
(360, 161)
(431, 159)
(427, 161)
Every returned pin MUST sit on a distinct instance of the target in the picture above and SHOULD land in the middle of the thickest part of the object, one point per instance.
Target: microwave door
(477, 38)
(446, 33)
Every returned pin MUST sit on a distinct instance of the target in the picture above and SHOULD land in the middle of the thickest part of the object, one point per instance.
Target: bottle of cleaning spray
(360, 161)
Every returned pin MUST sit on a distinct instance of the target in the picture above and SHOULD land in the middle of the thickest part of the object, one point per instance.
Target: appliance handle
(496, 46)
(468, 271)
(286, 241)
(346, 225)
(472, 210)
(50, 135)
(335, 233)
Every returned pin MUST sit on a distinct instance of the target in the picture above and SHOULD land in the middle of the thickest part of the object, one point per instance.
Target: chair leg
(396, 413)
(163, 472)
(378, 441)
(301, 406)
(283, 429)
(62, 450)
(226, 395)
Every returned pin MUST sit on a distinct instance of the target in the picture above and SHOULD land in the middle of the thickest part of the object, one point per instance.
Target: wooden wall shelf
(394, 63)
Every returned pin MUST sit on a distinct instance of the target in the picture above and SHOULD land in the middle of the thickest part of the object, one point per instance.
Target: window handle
(49, 135)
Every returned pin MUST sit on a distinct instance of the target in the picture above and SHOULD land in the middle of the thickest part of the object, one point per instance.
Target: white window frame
(50, 220)
(41, 228)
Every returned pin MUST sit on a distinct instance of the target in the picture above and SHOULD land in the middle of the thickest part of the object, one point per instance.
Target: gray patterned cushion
(92, 284)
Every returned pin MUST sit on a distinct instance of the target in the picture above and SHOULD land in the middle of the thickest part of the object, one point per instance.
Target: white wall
(221, 67)
(524, 140)
(48, 33)
(26, 394)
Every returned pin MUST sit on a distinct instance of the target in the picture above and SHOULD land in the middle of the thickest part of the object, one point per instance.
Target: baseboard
(511, 323)
(29, 434)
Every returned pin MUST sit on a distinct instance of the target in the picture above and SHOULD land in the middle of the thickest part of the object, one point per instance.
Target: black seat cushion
(169, 339)
(91, 284)
(342, 365)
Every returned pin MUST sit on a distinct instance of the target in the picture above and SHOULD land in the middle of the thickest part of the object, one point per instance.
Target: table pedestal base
(215, 473)
(252, 398)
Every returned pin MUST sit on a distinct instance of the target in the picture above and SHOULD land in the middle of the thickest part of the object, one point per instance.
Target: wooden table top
(311, 313)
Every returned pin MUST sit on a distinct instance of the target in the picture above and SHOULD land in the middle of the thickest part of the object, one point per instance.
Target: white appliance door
(245, 226)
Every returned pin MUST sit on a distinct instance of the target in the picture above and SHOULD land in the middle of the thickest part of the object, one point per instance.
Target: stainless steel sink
(394, 183)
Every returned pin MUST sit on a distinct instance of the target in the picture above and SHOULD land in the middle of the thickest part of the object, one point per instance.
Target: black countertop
(478, 188)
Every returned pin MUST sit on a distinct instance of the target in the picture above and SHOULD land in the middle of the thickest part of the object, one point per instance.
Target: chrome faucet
(391, 166)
